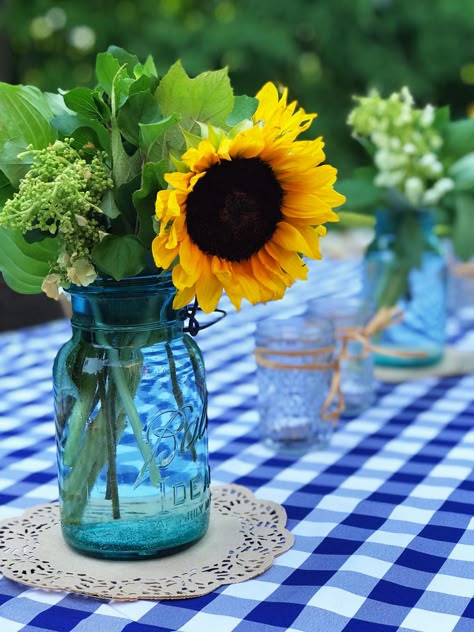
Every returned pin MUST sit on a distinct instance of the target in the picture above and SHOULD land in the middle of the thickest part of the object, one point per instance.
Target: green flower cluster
(61, 195)
(406, 144)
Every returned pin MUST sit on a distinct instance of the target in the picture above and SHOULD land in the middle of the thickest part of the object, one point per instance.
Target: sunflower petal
(291, 262)
(234, 293)
(291, 238)
(181, 279)
(184, 297)
(247, 144)
(208, 289)
(162, 255)
(251, 290)
(178, 180)
(267, 278)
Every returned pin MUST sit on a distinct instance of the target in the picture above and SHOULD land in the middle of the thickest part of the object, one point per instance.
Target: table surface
(382, 518)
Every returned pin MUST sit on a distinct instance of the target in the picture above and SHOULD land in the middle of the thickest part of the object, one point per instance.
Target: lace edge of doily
(223, 494)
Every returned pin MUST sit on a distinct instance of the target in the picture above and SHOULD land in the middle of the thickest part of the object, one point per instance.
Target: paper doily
(244, 536)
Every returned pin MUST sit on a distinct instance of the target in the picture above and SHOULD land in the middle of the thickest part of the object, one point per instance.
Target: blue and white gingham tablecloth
(383, 518)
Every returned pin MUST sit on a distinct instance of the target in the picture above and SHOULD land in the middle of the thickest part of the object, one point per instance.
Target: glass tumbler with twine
(349, 314)
(297, 382)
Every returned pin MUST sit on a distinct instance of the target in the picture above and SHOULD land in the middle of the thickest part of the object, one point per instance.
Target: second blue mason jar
(405, 262)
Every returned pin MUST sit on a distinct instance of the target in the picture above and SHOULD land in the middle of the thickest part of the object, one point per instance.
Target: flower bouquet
(423, 175)
(137, 197)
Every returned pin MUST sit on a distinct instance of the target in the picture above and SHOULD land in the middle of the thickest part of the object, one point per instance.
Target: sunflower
(252, 203)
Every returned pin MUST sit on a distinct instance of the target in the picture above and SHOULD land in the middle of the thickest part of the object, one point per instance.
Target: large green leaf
(119, 256)
(13, 167)
(25, 265)
(25, 113)
(207, 98)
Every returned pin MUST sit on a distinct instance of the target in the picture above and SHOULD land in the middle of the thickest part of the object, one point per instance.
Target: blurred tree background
(323, 50)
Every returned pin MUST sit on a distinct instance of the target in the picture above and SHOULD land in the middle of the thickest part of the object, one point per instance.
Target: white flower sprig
(406, 145)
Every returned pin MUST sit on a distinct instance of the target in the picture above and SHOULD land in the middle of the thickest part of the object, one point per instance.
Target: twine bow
(385, 317)
(465, 269)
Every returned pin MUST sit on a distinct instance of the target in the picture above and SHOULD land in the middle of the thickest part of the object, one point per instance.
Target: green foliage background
(323, 50)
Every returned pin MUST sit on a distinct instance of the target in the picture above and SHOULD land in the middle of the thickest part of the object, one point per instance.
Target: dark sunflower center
(234, 209)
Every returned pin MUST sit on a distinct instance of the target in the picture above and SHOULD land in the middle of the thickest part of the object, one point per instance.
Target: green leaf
(150, 137)
(244, 108)
(6, 189)
(109, 206)
(13, 167)
(463, 228)
(355, 220)
(37, 99)
(207, 98)
(25, 265)
(123, 57)
(120, 89)
(82, 101)
(191, 140)
(141, 107)
(25, 113)
(462, 172)
(56, 103)
(148, 68)
(127, 221)
(144, 199)
(441, 119)
(124, 167)
(106, 68)
(459, 139)
(119, 256)
(362, 196)
(91, 131)
(143, 84)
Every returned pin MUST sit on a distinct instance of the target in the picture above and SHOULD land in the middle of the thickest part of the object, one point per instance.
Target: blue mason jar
(404, 265)
(131, 423)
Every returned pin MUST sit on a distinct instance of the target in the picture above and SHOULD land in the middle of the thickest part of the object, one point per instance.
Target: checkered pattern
(382, 518)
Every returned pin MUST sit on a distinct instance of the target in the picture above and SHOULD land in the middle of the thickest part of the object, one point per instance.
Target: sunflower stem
(178, 395)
